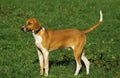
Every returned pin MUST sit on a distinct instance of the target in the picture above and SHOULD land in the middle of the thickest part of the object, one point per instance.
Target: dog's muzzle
(23, 28)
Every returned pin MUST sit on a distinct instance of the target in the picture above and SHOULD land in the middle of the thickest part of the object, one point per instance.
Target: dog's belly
(61, 45)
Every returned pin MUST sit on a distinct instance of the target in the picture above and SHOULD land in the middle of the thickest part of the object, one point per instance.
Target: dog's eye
(29, 23)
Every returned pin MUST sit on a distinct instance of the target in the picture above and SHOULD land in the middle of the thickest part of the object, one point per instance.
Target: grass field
(18, 56)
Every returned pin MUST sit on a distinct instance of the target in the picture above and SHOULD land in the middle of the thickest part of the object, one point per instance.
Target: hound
(49, 40)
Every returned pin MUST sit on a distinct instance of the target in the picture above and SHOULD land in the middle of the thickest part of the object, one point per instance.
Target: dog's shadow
(64, 62)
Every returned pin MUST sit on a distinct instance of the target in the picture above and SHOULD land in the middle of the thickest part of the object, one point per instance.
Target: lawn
(18, 56)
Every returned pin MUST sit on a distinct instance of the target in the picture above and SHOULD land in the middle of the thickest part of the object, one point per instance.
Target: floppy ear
(37, 26)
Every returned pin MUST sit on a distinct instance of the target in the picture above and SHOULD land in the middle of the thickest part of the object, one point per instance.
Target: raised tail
(95, 26)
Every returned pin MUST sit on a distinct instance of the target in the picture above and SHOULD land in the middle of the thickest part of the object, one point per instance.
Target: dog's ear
(37, 26)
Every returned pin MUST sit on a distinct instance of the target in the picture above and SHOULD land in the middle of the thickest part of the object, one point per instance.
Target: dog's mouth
(24, 29)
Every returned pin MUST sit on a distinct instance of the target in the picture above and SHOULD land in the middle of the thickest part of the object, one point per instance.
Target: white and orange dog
(48, 40)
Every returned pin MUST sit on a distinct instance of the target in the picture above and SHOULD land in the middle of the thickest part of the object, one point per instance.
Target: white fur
(41, 59)
(38, 42)
(87, 63)
(101, 16)
(38, 39)
(73, 47)
(78, 67)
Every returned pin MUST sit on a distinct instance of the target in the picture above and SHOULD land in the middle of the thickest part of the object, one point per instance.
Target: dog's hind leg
(78, 53)
(78, 66)
(86, 62)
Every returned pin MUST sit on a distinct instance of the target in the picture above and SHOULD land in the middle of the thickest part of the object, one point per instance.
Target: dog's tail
(93, 27)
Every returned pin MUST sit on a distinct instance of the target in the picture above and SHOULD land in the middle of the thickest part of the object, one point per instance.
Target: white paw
(46, 74)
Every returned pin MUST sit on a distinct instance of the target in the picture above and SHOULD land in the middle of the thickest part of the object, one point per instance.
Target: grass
(18, 56)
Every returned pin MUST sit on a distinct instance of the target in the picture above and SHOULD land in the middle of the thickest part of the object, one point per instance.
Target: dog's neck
(36, 32)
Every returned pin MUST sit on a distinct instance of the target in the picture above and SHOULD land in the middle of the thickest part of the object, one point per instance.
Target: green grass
(18, 56)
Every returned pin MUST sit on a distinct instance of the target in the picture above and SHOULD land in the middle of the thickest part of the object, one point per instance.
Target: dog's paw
(41, 73)
(46, 74)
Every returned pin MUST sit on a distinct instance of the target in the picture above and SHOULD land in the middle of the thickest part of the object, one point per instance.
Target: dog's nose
(22, 28)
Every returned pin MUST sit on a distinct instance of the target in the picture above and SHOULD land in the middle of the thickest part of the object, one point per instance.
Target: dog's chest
(38, 40)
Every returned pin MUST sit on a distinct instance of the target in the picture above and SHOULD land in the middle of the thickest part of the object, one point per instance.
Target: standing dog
(48, 40)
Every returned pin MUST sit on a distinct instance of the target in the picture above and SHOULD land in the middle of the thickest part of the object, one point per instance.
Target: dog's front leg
(46, 61)
(41, 61)
(44, 58)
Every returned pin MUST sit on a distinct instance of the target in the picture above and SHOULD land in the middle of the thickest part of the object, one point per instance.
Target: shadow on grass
(106, 64)
(100, 62)
(64, 62)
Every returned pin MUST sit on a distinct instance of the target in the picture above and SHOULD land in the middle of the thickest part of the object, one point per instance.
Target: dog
(49, 40)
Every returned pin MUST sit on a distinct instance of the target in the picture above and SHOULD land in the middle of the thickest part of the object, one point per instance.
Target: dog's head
(32, 25)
